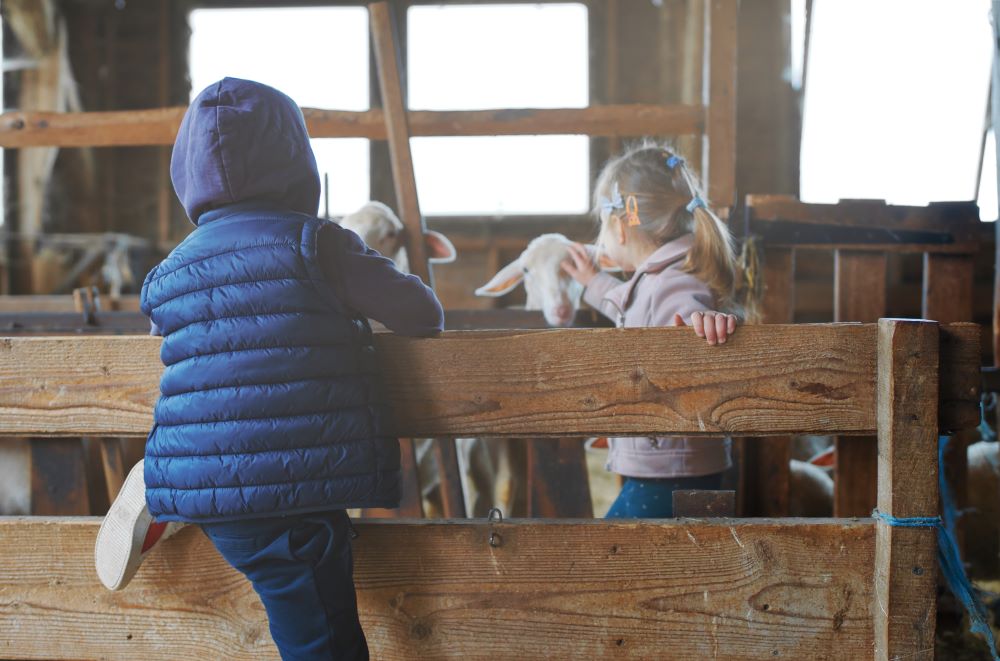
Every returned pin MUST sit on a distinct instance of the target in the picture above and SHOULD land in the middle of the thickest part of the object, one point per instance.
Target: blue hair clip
(673, 161)
(616, 201)
(696, 202)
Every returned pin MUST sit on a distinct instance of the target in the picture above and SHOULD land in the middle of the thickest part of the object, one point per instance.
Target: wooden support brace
(906, 558)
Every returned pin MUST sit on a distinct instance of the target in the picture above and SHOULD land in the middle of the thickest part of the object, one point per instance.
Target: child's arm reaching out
(370, 284)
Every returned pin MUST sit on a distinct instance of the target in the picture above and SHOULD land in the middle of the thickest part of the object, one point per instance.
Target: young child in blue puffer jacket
(271, 421)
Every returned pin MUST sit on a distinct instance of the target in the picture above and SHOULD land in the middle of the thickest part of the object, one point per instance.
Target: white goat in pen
(383, 232)
(551, 290)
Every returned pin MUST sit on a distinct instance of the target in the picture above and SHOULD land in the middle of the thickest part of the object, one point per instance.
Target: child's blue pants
(301, 567)
(653, 498)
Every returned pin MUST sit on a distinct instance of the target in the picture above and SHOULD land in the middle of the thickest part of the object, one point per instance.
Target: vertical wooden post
(946, 298)
(859, 295)
(164, 192)
(719, 98)
(905, 558)
(766, 460)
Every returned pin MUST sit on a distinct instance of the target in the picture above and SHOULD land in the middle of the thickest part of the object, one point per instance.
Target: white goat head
(549, 288)
(382, 231)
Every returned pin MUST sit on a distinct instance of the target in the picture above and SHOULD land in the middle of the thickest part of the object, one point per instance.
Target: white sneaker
(128, 533)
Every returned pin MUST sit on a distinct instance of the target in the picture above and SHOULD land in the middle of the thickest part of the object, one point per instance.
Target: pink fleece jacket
(657, 291)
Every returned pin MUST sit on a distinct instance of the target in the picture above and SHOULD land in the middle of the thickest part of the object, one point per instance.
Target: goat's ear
(826, 459)
(603, 261)
(504, 281)
(439, 249)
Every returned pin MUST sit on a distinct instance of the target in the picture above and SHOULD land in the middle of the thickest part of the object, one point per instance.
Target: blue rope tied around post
(948, 555)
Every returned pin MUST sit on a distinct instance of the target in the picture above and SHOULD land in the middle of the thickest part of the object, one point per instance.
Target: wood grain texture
(704, 504)
(767, 380)
(562, 590)
(719, 98)
(906, 558)
(159, 126)
(859, 295)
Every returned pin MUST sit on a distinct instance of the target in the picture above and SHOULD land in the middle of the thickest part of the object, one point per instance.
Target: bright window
(318, 56)
(895, 100)
(465, 57)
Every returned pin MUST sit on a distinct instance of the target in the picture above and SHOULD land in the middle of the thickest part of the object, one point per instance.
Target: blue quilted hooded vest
(269, 402)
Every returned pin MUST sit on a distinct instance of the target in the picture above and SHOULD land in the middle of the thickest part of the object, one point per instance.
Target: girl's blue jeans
(653, 498)
(302, 569)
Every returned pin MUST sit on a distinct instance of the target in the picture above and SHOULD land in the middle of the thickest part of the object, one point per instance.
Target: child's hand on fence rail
(715, 327)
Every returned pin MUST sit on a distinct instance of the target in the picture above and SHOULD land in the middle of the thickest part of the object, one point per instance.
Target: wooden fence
(839, 589)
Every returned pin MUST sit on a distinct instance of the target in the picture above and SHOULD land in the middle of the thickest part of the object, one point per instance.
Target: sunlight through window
(895, 100)
(318, 56)
(500, 56)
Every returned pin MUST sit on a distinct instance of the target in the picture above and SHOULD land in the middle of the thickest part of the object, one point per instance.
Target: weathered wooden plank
(562, 590)
(719, 99)
(905, 558)
(768, 380)
(859, 295)
(159, 126)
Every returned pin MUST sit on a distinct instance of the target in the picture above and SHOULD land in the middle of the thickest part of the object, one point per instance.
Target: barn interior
(854, 165)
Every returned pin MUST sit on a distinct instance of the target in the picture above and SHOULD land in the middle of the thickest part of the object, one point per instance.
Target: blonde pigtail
(712, 258)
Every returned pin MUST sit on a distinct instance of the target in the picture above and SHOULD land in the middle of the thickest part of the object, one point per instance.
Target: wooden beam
(859, 295)
(942, 216)
(736, 589)
(719, 99)
(704, 504)
(159, 126)
(906, 558)
(768, 380)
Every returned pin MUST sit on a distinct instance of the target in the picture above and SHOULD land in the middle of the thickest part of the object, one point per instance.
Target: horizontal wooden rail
(159, 126)
(136, 323)
(736, 589)
(767, 380)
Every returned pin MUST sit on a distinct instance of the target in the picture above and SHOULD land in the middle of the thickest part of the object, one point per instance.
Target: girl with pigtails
(656, 224)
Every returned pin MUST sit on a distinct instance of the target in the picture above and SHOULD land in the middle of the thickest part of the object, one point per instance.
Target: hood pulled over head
(242, 141)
